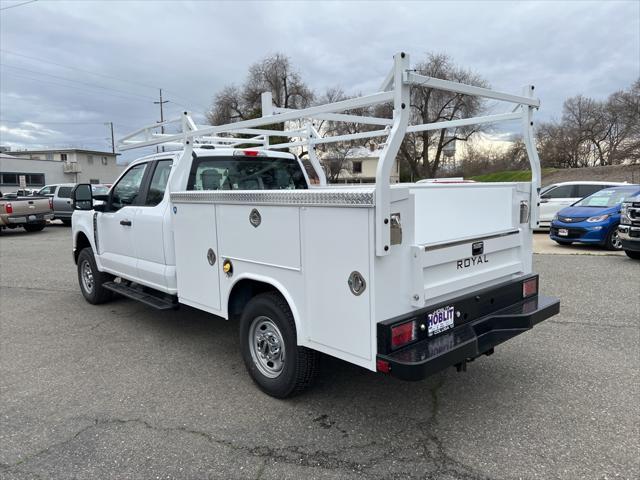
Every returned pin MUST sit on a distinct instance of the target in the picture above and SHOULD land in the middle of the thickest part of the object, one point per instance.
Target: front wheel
(91, 279)
(631, 254)
(613, 241)
(269, 347)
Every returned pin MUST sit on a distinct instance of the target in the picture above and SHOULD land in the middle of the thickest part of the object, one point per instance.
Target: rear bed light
(403, 334)
(530, 287)
(8, 207)
(248, 153)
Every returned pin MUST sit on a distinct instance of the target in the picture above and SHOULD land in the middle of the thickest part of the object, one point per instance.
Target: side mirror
(82, 197)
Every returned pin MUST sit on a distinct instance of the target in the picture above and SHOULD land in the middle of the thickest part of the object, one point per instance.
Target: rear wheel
(269, 347)
(34, 227)
(91, 279)
(631, 254)
(613, 241)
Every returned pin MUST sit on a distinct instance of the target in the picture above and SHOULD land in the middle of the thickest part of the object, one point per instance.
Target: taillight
(251, 153)
(403, 334)
(50, 203)
(383, 366)
(8, 207)
(530, 287)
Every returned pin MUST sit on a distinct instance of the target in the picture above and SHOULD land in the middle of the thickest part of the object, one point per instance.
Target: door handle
(544, 201)
(126, 223)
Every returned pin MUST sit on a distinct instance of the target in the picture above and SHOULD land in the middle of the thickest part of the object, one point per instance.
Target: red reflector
(251, 153)
(529, 287)
(403, 334)
(383, 366)
(8, 208)
(50, 203)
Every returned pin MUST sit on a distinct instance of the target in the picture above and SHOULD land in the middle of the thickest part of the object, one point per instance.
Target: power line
(76, 89)
(97, 74)
(93, 85)
(18, 5)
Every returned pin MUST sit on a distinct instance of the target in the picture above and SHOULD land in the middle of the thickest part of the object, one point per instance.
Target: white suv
(555, 197)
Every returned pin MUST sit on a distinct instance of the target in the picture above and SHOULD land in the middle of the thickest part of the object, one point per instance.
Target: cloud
(192, 49)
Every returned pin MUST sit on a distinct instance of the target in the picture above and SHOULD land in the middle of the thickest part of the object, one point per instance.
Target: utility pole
(161, 114)
(113, 143)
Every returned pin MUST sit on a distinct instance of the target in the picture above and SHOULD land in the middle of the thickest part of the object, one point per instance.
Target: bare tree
(423, 151)
(335, 157)
(593, 132)
(274, 74)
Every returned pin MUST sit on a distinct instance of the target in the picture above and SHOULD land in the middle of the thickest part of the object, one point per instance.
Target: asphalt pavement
(121, 391)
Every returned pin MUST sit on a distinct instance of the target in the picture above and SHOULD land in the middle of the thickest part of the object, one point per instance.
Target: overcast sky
(122, 51)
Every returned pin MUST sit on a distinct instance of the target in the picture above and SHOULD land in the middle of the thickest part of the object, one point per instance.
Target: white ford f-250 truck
(404, 279)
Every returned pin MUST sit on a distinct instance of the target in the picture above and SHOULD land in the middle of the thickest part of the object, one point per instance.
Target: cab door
(152, 231)
(115, 225)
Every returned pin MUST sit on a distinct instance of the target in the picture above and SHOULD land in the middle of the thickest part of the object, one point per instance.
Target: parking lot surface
(122, 391)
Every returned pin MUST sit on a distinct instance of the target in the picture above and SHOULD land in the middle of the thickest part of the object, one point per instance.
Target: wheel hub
(87, 276)
(267, 347)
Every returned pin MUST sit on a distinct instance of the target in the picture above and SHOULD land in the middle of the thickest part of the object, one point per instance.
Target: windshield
(609, 197)
(245, 173)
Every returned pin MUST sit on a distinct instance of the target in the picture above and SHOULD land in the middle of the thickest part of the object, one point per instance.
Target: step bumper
(469, 340)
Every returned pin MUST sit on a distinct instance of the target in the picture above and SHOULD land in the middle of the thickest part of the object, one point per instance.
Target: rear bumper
(469, 340)
(26, 219)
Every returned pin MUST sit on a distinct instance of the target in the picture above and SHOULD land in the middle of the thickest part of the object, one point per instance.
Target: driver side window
(126, 191)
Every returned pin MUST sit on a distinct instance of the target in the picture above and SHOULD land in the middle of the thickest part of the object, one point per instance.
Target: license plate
(563, 232)
(440, 320)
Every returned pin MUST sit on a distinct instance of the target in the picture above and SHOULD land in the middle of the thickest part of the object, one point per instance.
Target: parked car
(28, 212)
(61, 194)
(629, 229)
(594, 219)
(555, 197)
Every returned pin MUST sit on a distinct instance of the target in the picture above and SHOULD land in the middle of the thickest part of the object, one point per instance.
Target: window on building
(357, 167)
(104, 161)
(50, 156)
(94, 181)
(90, 159)
(12, 179)
(63, 157)
(9, 179)
(35, 179)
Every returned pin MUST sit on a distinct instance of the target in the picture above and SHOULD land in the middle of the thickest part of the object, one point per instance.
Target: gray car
(61, 194)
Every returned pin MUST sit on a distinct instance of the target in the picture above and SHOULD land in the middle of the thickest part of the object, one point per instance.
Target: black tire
(34, 227)
(563, 242)
(632, 254)
(613, 240)
(66, 222)
(299, 365)
(92, 290)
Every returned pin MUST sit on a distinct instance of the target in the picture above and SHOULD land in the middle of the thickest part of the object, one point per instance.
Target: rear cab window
(245, 173)
(65, 192)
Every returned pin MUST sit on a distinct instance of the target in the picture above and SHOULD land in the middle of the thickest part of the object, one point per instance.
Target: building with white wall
(44, 167)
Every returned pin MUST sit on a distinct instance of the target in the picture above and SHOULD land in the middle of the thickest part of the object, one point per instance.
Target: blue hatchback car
(594, 219)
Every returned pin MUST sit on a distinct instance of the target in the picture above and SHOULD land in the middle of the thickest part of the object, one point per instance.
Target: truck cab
(403, 279)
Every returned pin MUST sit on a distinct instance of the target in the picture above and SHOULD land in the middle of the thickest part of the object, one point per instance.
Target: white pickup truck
(404, 279)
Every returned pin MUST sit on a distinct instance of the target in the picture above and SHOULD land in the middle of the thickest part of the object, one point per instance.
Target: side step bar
(137, 293)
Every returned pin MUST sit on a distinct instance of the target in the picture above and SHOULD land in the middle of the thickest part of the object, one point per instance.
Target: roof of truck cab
(212, 152)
